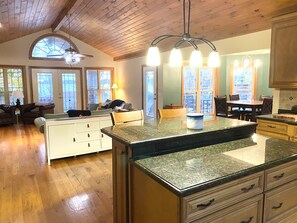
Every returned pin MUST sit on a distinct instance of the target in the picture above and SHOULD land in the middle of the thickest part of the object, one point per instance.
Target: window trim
(24, 79)
(111, 69)
(49, 35)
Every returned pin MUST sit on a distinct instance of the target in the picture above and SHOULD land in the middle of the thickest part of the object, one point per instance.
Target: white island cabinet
(76, 136)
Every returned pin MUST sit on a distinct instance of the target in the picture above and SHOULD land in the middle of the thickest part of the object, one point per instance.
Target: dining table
(254, 105)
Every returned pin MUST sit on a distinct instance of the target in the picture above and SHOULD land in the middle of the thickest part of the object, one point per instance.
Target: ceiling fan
(71, 55)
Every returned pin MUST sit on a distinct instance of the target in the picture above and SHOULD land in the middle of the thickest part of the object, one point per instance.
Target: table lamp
(17, 94)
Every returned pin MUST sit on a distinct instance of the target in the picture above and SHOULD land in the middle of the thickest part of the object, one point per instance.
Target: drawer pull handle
(246, 189)
(73, 139)
(203, 206)
(271, 126)
(248, 221)
(277, 177)
(89, 135)
(278, 206)
(102, 135)
(88, 126)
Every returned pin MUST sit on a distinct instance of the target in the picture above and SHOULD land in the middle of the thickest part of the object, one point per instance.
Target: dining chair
(234, 97)
(172, 113)
(266, 106)
(221, 108)
(126, 117)
(261, 98)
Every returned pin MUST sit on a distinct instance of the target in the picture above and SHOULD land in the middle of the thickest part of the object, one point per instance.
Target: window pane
(190, 101)
(69, 91)
(206, 102)
(243, 83)
(92, 86)
(15, 82)
(45, 87)
(105, 94)
(149, 100)
(206, 90)
(105, 79)
(190, 79)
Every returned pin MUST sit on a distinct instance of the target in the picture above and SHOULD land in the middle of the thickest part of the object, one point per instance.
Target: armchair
(7, 114)
(31, 111)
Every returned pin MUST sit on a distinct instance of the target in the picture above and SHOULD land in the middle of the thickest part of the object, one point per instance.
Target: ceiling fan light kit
(153, 56)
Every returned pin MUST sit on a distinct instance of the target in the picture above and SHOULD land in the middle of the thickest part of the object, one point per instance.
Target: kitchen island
(132, 180)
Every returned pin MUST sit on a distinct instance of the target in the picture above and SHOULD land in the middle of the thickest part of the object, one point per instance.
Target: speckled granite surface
(190, 171)
(167, 128)
(273, 118)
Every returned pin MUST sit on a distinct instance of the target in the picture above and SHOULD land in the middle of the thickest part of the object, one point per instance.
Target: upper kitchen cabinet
(283, 58)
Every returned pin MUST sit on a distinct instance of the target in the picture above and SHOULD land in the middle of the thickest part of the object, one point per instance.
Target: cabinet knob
(73, 139)
(246, 189)
(89, 135)
(205, 205)
(88, 144)
(102, 135)
(88, 125)
(248, 221)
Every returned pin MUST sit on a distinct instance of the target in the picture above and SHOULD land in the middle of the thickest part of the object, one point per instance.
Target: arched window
(50, 47)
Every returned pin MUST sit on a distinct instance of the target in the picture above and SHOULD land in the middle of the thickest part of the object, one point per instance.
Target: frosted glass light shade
(153, 56)
(196, 59)
(175, 58)
(214, 59)
(17, 94)
(114, 86)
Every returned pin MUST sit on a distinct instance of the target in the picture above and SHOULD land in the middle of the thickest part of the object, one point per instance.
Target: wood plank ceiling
(125, 28)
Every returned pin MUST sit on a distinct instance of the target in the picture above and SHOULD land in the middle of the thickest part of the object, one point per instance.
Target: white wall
(129, 71)
(16, 52)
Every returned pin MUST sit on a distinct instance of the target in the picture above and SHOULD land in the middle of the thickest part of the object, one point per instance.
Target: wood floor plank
(71, 190)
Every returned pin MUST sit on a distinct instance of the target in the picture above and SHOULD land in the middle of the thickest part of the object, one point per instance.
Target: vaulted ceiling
(125, 28)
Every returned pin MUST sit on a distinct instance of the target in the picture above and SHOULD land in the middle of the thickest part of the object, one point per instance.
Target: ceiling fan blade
(83, 55)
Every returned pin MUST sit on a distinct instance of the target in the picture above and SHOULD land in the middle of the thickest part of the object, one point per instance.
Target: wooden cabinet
(76, 136)
(277, 130)
(239, 199)
(280, 203)
(283, 69)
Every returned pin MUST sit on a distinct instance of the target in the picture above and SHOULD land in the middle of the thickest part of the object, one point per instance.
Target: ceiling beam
(62, 17)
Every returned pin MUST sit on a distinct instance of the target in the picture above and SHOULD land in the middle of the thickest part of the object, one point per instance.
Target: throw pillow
(1, 111)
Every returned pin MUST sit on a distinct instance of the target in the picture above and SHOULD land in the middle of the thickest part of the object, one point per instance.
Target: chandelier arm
(210, 44)
(163, 37)
(189, 15)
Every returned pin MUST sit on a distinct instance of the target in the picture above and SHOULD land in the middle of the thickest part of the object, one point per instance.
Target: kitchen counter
(280, 118)
(194, 170)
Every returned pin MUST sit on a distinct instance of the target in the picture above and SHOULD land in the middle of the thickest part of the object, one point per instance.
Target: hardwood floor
(70, 190)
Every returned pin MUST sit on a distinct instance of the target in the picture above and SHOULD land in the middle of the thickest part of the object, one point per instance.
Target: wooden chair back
(172, 113)
(266, 106)
(124, 117)
(234, 97)
(221, 107)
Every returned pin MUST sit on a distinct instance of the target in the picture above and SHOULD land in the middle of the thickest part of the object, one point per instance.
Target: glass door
(150, 96)
(61, 87)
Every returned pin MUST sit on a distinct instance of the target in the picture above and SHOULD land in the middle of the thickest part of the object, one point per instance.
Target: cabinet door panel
(61, 140)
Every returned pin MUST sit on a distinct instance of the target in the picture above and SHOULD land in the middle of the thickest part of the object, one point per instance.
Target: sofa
(31, 111)
(7, 114)
(39, 122)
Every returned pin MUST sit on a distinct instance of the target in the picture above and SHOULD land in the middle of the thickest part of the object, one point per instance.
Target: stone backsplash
(287, 98)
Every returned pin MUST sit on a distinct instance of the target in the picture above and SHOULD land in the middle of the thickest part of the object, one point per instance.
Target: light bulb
(153, 56)
(214, 59)
(175, 58)
(196, 59)
(246, 62)
(257, 63)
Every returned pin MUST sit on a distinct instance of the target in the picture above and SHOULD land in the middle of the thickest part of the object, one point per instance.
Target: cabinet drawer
(87, 126)
(214, 199)
(248, 211)
(87, 136)
(281, 174)
(88, 147)
(275, 127)
(280, 200)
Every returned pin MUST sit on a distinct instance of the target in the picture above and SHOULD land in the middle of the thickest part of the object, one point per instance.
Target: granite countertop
(157, 129)
(278, 118)
(194, 170)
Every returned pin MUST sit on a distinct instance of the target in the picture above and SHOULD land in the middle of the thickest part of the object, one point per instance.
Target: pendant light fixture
(153, 56)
